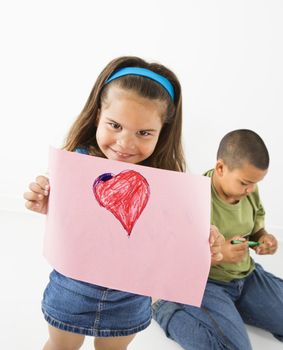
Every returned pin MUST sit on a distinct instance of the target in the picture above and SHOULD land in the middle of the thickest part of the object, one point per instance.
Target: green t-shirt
(246, 216)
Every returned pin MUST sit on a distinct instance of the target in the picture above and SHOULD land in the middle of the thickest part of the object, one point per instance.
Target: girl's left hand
(216, 241)
(268, 245)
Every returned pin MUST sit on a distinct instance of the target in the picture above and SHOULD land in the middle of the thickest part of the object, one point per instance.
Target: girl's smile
(122, 155)
(128, 126)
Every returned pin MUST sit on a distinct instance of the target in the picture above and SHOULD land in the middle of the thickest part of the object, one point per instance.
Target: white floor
(24, 274)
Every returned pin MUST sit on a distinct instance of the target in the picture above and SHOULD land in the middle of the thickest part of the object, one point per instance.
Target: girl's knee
(51, 345)
(113, 343)
(59, 339)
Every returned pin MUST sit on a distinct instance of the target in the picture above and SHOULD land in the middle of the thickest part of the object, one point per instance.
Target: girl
(134, 115)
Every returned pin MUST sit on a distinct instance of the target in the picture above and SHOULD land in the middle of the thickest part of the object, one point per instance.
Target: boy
(238, 290)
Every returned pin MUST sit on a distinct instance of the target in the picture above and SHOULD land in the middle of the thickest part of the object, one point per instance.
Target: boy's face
(237, 183)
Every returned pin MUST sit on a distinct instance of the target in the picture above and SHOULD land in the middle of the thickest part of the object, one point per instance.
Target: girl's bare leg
(113, 343)
(62, 340)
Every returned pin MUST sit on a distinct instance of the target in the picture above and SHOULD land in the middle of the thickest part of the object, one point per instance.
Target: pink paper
(128, 227)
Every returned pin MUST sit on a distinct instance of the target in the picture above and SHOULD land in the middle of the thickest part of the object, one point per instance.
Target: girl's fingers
(43, 181)
(33, 196)
(41, 185)
(37, 198)
(214, 233)
(31, 205)
(37, 188)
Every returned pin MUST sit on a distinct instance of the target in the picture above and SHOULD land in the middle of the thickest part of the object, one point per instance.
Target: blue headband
(144, 72)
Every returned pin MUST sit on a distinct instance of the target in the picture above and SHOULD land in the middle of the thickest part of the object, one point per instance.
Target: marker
(250, 243)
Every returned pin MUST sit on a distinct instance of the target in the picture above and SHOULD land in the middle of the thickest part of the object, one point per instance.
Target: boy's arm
(268, 242)
(256, 236)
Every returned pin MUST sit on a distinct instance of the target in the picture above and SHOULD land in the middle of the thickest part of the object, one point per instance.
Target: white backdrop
(227, 54)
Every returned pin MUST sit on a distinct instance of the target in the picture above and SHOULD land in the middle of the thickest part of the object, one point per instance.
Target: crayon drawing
(125, 195)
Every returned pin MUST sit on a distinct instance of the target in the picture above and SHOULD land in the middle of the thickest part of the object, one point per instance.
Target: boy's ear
(219, 167)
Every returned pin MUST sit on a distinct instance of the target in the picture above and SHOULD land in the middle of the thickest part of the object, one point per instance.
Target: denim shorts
(88, 309)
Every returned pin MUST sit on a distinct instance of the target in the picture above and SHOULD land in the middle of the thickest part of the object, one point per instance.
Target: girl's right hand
(37, 198)
(235, 253)
(216, 241)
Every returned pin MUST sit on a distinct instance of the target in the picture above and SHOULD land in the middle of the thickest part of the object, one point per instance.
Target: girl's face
(128, 126)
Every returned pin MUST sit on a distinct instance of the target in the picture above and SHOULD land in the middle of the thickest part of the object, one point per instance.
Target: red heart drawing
(125, 195)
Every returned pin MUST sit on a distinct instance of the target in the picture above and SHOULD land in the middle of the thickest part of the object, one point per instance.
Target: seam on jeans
(93, 332)
(155, 306)
(166, 329)
(226, 340)
(100, 308)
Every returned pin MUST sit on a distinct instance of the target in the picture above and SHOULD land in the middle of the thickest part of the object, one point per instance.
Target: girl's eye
(143, 133)
(115, 125)
(244, 184)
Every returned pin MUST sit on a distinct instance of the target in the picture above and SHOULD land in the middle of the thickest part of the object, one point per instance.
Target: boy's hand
(37, 199)
(234, 253)
(216, 241)
(268, 245)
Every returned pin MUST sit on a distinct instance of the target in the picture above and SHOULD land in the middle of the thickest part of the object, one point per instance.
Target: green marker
(251, 243)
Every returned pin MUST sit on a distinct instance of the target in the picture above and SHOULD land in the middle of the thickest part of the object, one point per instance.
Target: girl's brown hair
(168, 153)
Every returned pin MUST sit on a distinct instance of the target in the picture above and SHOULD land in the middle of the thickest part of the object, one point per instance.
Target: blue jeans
(88, 309)
(219, 324)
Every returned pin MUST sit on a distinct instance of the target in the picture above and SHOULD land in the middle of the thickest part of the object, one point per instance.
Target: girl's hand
(268, 245)
(235, 253)
(37, 199)
(216, 241)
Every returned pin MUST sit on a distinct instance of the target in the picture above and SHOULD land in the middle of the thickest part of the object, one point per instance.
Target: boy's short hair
(243, 145)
